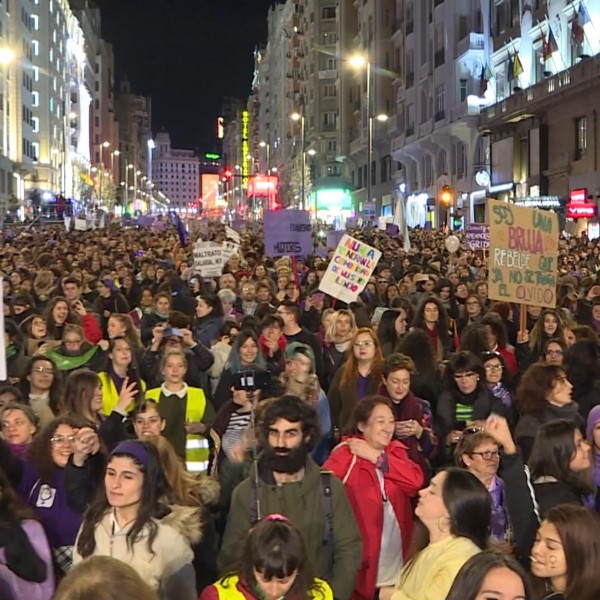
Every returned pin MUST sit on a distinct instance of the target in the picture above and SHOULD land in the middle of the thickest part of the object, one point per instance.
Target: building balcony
(398, 142)
(358, 145)
(328, 74)
(410, 131)
(440, 115)
(524, 104)
(425, 128)
(473, 41)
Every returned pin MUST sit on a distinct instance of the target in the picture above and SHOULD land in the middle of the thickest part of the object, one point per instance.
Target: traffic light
(446, 196)
(227, 174)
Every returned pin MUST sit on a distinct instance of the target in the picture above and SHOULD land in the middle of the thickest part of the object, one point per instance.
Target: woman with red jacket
(380, 481)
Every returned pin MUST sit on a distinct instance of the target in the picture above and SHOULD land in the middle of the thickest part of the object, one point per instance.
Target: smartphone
(251, 380)
(193, 281)
(401, 436)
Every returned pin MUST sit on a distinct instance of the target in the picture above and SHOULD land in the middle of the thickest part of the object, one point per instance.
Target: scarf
(501, 392)
(433, 337)
(70, 363)
(266, 351)
(11, 350)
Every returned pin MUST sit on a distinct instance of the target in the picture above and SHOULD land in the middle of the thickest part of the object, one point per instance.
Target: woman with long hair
(491, 575)
(121, 325)
(549, 324)
(244, 353)
(208, 319)
(131, 519)
(566, 554)
(41, 387)
(158, 316)
(380, 481)
(431, 317)
(19, 426)
(391, 328)
(337, 341)
(358, 377)
(543, 394)
(59, 313)
(83, 399)
(272, 564)
(40, 480)
(454, 523)
(497, 336)
(120, 370)
(25, 558)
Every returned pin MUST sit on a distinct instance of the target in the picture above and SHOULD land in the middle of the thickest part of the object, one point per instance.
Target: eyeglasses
(73, 342)
(466, 375)
(366, 343)
(472, 430)
(42, 370)
(487, 454)
(493, 368)
(554, 353)
(62, 439)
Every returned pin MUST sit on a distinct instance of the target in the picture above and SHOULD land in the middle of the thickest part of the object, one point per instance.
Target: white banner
(209, 259)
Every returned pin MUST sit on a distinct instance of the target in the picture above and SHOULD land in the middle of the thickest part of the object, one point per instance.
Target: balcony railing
(410, 79)
(473, 41)
(440, 115)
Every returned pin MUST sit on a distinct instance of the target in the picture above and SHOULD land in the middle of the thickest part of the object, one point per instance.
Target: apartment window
(502, 17)
(332, 146)
(329, 90)
(581, 137)
(440, 102)
(328, 12)
(463, 89)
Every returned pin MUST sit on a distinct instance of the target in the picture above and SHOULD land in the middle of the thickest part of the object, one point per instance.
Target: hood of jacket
(209, 490)
(186, 520)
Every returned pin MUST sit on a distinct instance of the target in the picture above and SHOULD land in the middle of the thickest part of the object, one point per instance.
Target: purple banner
(333, 238)
(391, 229)
(288, 233)
(477, 236)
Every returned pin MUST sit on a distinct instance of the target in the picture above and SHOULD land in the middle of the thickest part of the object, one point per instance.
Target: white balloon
(452, 243)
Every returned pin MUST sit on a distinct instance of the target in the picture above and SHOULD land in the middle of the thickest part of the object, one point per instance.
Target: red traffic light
(228, 173)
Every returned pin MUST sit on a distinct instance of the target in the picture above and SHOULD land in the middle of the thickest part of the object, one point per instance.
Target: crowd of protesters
(170, 436)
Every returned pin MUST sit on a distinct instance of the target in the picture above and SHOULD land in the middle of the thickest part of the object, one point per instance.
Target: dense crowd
(170, 436)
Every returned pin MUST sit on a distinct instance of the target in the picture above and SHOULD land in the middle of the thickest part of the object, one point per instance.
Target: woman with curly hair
(59, 313)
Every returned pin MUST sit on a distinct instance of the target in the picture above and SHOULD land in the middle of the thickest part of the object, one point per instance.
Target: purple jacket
(15, 588)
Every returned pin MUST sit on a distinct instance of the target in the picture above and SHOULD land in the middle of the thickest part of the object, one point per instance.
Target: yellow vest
(196, 445)
(110, 396)
(228, 589)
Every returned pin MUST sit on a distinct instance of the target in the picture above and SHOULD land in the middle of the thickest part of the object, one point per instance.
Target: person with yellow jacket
(120, 370)
(187, 413)
(272, 565)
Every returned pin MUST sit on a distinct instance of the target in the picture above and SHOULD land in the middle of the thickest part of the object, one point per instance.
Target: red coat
(402, 481)
(509, 359)
(91, 329)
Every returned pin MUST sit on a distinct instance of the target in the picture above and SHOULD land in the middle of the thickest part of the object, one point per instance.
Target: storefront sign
(523, 255)
(539, 201)
(349, 270)
(578, 206)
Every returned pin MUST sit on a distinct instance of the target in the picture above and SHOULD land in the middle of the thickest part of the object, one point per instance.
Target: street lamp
(266, 145)
(100, 149)
(112, 161)
(298, 117)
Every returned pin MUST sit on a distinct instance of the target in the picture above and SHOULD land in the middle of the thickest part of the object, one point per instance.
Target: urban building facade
(176, 174)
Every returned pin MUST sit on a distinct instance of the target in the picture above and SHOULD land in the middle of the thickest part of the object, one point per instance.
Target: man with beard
(285, 480)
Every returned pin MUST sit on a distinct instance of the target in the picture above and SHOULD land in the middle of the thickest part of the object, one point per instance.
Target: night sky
(187, 55)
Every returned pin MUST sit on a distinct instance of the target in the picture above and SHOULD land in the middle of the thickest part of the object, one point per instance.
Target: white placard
(209, 259)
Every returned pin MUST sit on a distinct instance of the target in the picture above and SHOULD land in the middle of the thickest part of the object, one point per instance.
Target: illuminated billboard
(210, 190)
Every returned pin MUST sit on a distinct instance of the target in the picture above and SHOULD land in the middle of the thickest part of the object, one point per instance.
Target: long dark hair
(275, 549)
(469, 506)
(552, 452)
(469, 579)
(20, 556)
(386, 330)
(442, 325)
(72, 317)
(55, 393)
(155, 491)
(40, 452)
(579, 532)
(416, 345)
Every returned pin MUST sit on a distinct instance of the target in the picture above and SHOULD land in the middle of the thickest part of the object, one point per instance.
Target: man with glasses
(290, 313)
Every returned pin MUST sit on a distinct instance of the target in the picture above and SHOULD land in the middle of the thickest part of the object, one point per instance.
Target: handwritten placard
(209, 259)
(288, 232)
(523, 254)
(349, 270)
(477, 236)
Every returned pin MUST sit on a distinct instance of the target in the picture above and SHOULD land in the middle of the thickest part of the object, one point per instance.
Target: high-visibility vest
(196, 445)
(227, 589)
(110, 395)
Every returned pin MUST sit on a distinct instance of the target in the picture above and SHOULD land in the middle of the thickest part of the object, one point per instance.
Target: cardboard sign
(523, 254)
(232, 235)
(477, 236)
(349, 270)
(287, 233)
(229, 248)
(81, 225)
(208, 259)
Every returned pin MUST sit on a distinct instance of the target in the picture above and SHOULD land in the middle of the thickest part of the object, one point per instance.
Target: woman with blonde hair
(358, 377)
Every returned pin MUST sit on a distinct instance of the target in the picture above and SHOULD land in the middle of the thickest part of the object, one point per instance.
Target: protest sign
(477, 236)
(232, 235)
(229, 248)
(287, 232)
(239, 225)
(81, 225)
(333, 238)
(391, 229)
(208, 259)
(349, 270)
(369, 210)
(523, 254)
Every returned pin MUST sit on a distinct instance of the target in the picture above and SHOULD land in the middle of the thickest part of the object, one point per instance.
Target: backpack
(326, 505)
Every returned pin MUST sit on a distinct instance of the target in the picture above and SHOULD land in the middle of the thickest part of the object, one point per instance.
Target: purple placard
(322, 252)
(391, 229)
(238, 225)
(333, 238)
(477, 236)
(288, 233)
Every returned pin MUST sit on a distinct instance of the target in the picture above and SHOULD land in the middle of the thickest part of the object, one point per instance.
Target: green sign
(212, 156)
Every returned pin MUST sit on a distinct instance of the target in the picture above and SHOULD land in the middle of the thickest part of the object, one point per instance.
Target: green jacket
(302, 503)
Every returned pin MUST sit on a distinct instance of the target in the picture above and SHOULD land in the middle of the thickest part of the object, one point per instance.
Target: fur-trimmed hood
(186, 520)
(209, 490)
